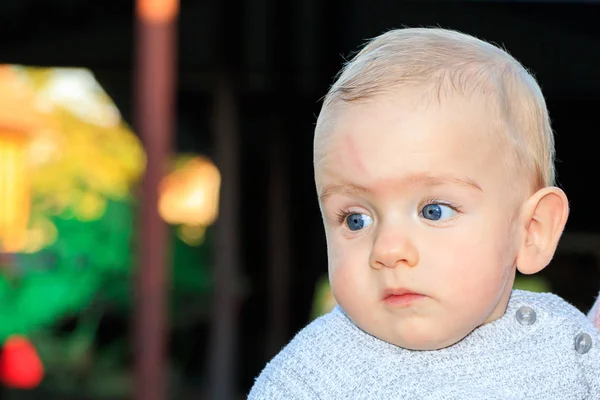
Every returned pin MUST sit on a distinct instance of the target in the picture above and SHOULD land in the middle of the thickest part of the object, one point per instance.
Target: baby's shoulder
(568, 332)
(299, 366)
(321, 336)
(553, 308)
(562, 324)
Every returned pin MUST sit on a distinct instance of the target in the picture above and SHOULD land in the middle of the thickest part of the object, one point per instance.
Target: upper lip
(397, 292)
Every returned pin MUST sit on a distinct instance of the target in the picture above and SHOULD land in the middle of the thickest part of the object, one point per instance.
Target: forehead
(392, 137)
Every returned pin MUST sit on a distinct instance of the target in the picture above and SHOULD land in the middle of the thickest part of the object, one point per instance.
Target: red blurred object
(20, 365)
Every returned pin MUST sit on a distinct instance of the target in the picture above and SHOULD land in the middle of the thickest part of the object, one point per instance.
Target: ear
(542, 221)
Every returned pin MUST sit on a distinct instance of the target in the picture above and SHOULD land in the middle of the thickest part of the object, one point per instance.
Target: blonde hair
(445, 61)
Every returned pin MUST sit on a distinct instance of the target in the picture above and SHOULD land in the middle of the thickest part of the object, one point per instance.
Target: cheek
(342, 284)
(348, 267)
(352, 284)
(341, 252)
(476, 257)
(334, 251)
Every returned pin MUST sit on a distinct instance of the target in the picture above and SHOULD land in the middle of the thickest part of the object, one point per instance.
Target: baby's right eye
(358, 221)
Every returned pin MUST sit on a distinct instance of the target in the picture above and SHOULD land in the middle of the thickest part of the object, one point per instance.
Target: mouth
(401, 297)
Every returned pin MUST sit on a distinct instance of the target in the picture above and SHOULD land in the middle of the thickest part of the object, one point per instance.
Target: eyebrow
(350, 189)
(347, 189)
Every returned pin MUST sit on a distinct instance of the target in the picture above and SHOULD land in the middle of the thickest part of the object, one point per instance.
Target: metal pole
(154, 121)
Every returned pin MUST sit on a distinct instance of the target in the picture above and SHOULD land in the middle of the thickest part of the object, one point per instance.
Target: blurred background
(240, 249)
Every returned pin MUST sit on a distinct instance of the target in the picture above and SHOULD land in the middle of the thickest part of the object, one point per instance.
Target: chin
(427, 346)
(421, 340)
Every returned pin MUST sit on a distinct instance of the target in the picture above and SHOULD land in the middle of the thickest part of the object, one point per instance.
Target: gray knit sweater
(542, 348)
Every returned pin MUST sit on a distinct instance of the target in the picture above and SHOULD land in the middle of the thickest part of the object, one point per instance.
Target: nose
(393, 246)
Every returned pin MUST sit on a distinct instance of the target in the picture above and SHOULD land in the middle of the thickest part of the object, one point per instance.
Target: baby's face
(419, 214)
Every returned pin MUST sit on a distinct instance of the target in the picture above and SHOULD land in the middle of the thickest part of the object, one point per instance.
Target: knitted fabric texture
(505, 359)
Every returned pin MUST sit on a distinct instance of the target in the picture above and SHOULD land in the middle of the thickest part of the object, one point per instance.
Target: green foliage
(532, 283)
(85, 274)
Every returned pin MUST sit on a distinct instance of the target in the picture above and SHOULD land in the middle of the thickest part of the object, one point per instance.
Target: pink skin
(354, 154)
(385, 160)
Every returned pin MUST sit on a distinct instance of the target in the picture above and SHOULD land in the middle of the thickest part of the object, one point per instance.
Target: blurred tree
(78, 257)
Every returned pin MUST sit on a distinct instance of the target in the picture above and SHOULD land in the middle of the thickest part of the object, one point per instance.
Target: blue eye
(437, 212)
(358, 221)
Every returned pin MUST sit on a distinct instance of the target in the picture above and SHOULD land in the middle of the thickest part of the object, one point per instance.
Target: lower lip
(403, 299)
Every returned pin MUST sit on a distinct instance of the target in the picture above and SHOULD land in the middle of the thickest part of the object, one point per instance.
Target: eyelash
(343, 214)
(433, 200)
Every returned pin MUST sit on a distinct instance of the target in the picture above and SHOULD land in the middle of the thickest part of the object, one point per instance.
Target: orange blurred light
(157, 10)
(190, 195)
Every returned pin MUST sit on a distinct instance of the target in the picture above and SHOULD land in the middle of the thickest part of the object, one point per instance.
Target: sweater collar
(512, 327)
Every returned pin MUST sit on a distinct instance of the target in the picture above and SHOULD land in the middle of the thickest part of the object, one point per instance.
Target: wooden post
(155, 123)
(224, 324)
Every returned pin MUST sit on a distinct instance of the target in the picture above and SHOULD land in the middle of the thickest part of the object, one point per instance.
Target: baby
(434, 167)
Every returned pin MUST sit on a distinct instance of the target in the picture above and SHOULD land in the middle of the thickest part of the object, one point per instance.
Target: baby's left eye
(437, 212)
(357, 221)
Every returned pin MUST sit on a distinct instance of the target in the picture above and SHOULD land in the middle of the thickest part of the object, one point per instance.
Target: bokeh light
(189, 196)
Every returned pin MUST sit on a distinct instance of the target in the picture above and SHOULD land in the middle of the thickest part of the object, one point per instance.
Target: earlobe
(543, 219)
